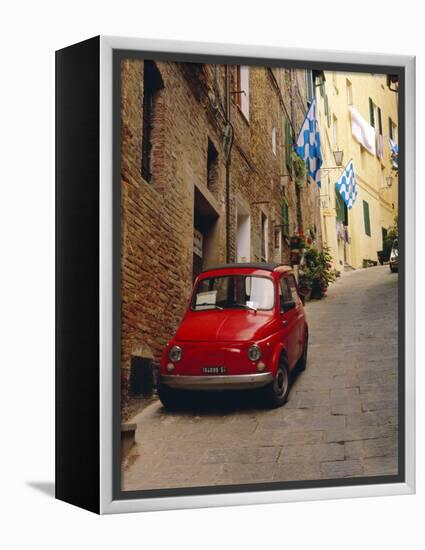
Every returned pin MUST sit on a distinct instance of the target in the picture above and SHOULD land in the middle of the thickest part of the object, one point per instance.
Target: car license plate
(214, 370)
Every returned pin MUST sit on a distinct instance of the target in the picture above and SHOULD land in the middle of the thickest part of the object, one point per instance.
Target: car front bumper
(217, 382)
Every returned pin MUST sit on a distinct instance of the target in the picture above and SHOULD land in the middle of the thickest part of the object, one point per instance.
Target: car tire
(276, 393)
(393, 269)
(170, 398)
(302, 363)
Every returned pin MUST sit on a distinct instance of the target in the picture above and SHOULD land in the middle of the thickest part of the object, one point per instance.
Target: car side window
(285, 293)
(293, 288)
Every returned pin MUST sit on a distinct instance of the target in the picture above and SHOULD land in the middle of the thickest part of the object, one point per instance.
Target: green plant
(392, 235)
(318, 267)
(305, 281)
(298, 169)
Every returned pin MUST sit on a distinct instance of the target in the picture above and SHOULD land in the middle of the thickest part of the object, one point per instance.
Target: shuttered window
(341, 208)
(379, 121)
(288, 145)
(366, 218)
(242, 97)
(327, 112)
(390, 128)
(371, 112)
(309, 85)
(285, 218)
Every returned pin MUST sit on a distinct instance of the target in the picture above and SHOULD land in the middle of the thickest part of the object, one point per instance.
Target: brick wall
(159, 215)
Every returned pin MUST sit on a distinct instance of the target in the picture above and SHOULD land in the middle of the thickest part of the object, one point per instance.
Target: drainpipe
(294, 122)
(229, 143)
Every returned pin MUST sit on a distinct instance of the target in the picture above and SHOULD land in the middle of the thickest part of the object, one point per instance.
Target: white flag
(362, 131)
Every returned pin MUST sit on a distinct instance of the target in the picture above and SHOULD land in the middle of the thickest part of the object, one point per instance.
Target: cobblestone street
(340, 419)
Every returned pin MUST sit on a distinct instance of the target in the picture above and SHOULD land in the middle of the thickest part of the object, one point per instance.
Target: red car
(244, 328)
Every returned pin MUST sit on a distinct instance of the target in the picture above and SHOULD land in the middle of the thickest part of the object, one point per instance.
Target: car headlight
(254, 353)
(175, 354)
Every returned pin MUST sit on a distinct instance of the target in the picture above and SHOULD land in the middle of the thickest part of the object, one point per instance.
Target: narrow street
(340, 419)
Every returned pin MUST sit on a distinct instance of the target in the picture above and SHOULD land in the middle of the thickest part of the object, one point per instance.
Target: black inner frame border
(120, 55)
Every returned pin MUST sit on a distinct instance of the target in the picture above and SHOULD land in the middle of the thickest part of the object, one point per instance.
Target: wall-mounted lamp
(338, 156)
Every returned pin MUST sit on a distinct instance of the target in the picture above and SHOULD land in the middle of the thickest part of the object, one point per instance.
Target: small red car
(244, 328)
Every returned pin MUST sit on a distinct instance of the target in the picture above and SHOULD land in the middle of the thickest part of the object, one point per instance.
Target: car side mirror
(287, 306)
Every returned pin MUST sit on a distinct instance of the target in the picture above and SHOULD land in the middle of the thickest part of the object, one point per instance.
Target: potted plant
(305, 283)
(319, 262)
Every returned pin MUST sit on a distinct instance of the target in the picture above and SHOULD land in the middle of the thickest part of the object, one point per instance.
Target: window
(379, 121)
(152, 86)
(366, 218)
(392, 129)
(277, 235)
(309, 86)
(293, 287)
(340, 208)
(349, 92)
(288, 145)
(233, 292)
(264, 237)
(212, 165)
(327, 112)
(274, 140)
(375, 116)
(335, 81)
(285, 293)
(242, 95)
(285, 218)
(372, 112)
(243, 233)
(335, 131)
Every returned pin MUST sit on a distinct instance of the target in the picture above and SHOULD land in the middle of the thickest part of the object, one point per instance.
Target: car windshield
(234, 292)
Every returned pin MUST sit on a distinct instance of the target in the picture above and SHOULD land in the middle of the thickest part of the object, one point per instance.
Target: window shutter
(379, 121)
(366, 218)
(310, 85)
(372, 113)
(285, 218)
(341, 208)
(327, 113)
(288, 145)
(244, 76)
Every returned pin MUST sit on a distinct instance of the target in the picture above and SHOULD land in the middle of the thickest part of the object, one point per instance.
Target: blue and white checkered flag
(394, 152)
(346, 185)
(308, 144)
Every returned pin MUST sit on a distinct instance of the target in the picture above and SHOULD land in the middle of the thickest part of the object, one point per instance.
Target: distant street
(340, 420)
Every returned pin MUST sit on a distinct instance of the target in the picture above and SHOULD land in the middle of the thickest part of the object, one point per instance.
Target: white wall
(31, 31)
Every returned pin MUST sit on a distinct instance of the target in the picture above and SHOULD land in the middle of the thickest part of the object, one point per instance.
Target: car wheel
(276, 393)
(393, 269)
(170, 398)
(302, 363)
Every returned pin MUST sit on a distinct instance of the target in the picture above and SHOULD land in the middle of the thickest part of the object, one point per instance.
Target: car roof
(251, 265)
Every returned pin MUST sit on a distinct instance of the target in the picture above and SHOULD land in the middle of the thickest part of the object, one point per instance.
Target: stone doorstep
(128, 432)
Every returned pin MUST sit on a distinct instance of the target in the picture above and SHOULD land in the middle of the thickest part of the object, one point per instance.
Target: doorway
(205, 234)
(243, 234)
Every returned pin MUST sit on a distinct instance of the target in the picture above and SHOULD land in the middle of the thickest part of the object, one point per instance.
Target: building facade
(356, 235)
(205, 179)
